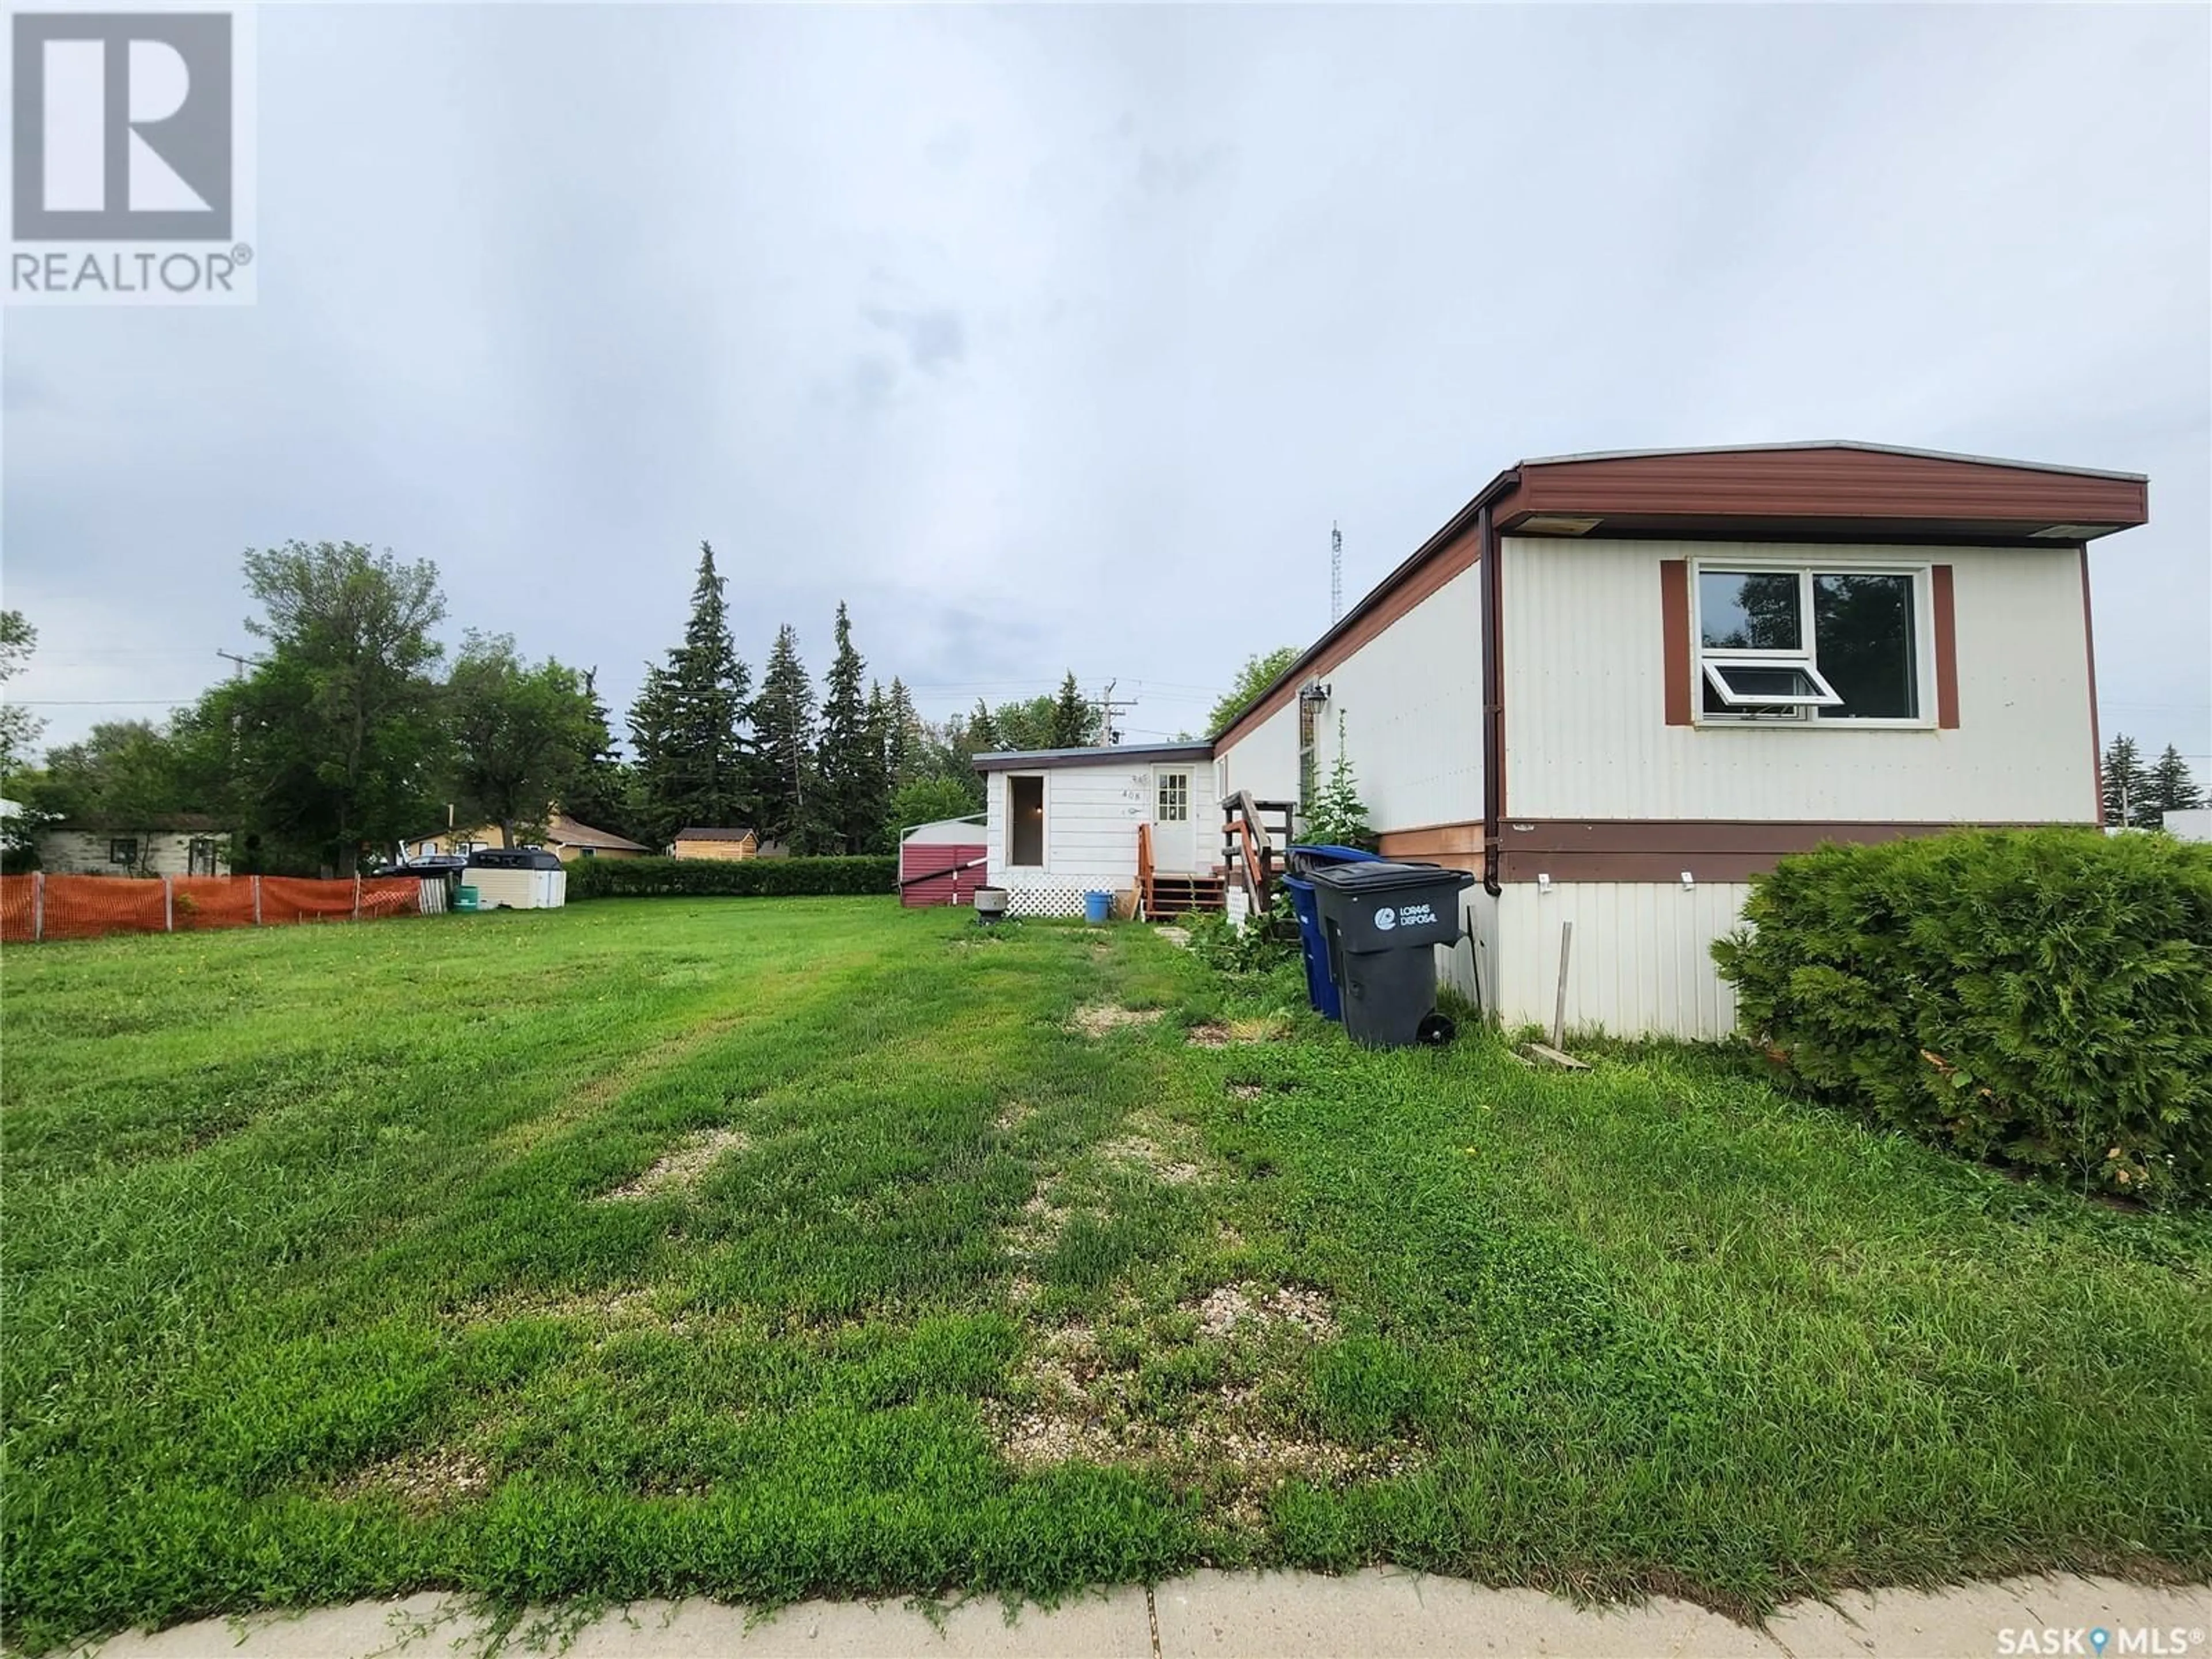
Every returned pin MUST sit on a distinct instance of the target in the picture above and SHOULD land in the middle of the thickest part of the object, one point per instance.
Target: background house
(563, 835)
(733, 842)
(181, 845)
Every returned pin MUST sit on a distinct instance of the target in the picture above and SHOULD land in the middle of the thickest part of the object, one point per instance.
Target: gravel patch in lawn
(426, 1479)
(1224, 1308)
(1044, 1219)
(1097, 1019)
(1227, 1440)
(681, 1166)
(1140, 1151)
(1220, 1033)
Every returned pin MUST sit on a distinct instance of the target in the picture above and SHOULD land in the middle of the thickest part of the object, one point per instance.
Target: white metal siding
(1586, 734)
(1090, 819)
(1411, 699)
(1264, 760)
(1642, 962)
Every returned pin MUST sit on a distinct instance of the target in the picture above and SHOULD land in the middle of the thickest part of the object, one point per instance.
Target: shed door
(1175, 818)
(1025, 821)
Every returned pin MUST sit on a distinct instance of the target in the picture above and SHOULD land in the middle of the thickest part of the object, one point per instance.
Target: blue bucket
(1097, 907)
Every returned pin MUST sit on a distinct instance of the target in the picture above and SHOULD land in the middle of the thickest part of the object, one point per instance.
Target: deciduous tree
(336, 738)
(523, 733)
(927, 799)
(19, 727)
(1258, 673)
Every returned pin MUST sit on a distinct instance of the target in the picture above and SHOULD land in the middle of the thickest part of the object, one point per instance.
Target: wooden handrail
(1145, 871)
(1247, 849)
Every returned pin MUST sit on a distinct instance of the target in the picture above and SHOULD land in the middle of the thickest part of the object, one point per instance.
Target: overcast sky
(1057, 338)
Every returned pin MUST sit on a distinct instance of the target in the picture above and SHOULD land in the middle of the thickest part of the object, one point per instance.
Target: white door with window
(1175, 820)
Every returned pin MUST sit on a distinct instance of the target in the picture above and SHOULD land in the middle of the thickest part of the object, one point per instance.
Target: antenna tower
(1335, 575)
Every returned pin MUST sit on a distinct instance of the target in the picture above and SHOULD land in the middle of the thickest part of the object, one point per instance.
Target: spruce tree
(849, 755)
(693, 762)
(1075, 721)
(2125, 782)
(2170, 789)
(906, 747)
(982, 731)
(599, 792)
(783, 730)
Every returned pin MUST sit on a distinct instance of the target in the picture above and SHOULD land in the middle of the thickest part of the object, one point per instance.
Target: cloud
(1057, 338)
(934, 339)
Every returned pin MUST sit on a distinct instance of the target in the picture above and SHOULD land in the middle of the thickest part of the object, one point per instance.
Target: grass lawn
(770, 1247)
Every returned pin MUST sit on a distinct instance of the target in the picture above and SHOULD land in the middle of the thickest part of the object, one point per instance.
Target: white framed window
(1171, 801)
(1820, 642)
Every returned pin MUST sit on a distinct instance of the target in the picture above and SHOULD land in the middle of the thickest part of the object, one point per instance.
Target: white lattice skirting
(1044, 902)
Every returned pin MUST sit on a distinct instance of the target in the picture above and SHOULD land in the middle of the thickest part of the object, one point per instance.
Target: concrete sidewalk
(1376, 1614)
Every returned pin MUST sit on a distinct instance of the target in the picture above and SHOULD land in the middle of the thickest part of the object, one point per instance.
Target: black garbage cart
(1382, 922)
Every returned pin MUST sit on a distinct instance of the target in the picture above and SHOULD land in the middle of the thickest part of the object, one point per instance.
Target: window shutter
(1946, 647)
(1675, 618)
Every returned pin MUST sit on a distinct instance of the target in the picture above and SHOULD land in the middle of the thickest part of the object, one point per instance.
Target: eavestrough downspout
(1493, 683)
(1493, 705)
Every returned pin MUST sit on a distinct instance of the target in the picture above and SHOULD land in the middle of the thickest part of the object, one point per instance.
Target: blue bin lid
(1336, 854)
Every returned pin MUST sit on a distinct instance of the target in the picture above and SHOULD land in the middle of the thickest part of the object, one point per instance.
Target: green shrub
(2040, 997)
(1263, 943)
(733, 877)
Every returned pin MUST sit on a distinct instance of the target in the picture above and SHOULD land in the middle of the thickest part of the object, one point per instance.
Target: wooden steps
(1174, 895)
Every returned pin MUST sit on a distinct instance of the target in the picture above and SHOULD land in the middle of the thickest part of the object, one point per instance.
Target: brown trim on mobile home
(1663, 849)
(1385, 605)
(1851, 487)
(1946, 620)
(1434, 842)
(1826, 491)
(1675, 618)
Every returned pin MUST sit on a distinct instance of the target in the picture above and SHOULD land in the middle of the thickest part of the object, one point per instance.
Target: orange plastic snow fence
(42, 907)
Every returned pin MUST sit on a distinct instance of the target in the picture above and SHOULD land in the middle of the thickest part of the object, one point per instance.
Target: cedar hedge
(733, 877)
(2041, 998)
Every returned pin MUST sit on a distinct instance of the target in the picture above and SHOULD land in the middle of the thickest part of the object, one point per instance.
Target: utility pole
(1335, 575)
(1108, 708)
(237, 663)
